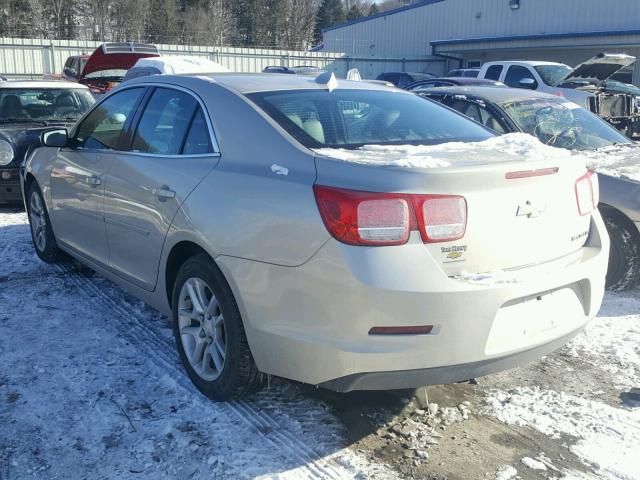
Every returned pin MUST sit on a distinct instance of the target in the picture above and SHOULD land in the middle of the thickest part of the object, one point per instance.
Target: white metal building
(452, 33)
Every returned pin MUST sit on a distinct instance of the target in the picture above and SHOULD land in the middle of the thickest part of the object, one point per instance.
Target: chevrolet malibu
(337, 233)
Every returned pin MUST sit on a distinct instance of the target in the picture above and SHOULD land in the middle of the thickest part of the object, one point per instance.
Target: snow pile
(533, 464)
(608, 438)
(181, 64)
(506, 472)
(497, 277)
(511, 147)
(616, 160)
(612, 341)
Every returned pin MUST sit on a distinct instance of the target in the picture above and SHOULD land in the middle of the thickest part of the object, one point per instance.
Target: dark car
(451, 82)
(27, 108)
(402, 79)
(560, 123)
(464, 72)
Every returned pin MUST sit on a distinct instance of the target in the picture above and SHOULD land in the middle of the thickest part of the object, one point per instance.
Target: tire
(209, 333)
(40, 225)
(624, 256)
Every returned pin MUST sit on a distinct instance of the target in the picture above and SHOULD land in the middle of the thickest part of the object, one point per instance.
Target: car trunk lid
(111, 56)
(521, 202)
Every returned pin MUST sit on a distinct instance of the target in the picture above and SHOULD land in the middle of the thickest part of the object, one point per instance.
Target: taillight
(587, 193)
(369, 218)
(441, 218)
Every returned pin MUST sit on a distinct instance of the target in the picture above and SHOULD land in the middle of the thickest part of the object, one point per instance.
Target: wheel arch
(620, 217)
(179, 253)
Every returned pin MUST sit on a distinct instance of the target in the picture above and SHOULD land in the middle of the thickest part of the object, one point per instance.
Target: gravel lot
(91, 387)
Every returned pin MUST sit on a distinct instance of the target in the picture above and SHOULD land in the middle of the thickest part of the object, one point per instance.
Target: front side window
(353, 118)
(516, 74)
(164, 122)
(104, 125)
(562, 124)
(493, 72)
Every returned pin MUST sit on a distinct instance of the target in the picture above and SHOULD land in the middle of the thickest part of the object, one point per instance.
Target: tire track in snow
(135, 326)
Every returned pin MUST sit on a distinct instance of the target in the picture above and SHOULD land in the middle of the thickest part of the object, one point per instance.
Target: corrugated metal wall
(32, 58)
(409, 32)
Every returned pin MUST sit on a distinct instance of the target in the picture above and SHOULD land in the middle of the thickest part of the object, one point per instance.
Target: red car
(107, 65)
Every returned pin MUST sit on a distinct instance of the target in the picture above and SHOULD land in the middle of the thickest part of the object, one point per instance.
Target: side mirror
(529, 83)
(55, 138)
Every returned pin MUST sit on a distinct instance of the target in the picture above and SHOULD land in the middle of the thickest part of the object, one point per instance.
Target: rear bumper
(311, 323)
(394, 380)
(10, 191)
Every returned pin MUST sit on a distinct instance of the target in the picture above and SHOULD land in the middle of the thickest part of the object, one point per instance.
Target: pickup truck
(588, 85)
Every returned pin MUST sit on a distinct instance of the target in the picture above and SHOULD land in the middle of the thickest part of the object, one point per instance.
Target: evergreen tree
(374, 9)
(330, 13)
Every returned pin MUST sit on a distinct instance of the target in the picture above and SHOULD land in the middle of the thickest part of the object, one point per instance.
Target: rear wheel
(624, 256)
(41, 232)
(209, 333)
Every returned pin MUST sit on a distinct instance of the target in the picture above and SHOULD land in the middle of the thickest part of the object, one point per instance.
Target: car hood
(106, 57)
(600, 67)
(622, 161)
(22, 138)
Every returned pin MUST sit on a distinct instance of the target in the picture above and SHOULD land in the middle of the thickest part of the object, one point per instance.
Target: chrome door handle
(93, 180)
(163, 193)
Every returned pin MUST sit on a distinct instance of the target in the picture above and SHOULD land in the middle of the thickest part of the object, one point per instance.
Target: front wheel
(40, 224)
(209, 333)
(624, 256)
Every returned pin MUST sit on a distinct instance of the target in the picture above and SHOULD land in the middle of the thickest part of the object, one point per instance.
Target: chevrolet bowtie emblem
(530, 211)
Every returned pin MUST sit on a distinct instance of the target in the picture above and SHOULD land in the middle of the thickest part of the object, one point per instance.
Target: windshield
(552, 74)
(353, 118)
(112, 74)
(43, 104)
(563, 124)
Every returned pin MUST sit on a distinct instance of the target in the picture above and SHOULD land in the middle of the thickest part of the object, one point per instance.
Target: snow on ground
(612, 341)
(605, 437)
(512, 147)
(91, 387)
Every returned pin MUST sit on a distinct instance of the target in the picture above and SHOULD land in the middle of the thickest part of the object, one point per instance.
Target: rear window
(353, 118)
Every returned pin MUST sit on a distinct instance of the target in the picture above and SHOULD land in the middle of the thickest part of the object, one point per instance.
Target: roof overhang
(598, 39)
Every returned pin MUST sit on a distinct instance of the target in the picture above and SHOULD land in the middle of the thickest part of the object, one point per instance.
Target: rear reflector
(587, 194)
(417, 330)
(531, 173)
(369, 218)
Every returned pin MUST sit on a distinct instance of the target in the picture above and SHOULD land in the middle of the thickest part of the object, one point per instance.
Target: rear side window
(353, 118)
(164, 122)
(198, 139)
(103, 126)
(515, 74)
(493, 72)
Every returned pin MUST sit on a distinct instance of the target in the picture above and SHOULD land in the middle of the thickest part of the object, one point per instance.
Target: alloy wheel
(201, 326)
(38, 221)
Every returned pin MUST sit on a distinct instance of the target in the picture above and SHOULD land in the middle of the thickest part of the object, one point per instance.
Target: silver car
(207, 198)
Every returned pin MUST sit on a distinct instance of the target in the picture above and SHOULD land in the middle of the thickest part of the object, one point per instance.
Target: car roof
(523, 62)
(41, 84)
(491, 94)
(262, 82)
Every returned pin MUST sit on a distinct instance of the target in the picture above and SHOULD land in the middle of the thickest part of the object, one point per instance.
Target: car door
(78, 172)
(172, 148)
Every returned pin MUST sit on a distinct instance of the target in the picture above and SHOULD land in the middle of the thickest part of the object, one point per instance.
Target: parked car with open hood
(588, 85)
(106, 67)
(27, 108)
(348, 244)
(560, 123)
